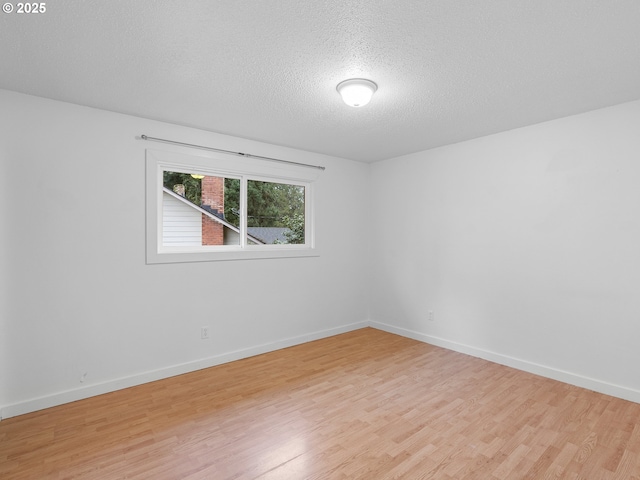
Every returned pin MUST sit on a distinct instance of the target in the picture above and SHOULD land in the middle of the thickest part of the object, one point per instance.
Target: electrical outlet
(204, 333)
(432, 317)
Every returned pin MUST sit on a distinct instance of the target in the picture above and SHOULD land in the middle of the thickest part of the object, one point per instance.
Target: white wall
(80, 298)
(524, 244)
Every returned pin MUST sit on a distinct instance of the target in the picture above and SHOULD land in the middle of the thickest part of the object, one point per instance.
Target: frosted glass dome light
(356, 92)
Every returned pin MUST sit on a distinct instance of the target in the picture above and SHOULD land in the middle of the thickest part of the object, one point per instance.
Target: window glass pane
(275, 213)
(199, 210)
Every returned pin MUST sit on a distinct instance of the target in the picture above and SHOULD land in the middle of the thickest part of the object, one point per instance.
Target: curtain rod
(230, 152)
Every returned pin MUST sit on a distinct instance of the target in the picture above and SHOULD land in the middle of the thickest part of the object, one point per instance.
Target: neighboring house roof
(209, 214)
(269, 235)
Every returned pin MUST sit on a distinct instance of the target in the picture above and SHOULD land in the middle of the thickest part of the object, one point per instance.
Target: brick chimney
(212, 200)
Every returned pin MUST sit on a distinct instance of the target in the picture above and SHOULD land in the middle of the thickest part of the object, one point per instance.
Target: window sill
(186, 256)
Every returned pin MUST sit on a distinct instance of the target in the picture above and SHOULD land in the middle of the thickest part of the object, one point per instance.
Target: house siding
(181, 224)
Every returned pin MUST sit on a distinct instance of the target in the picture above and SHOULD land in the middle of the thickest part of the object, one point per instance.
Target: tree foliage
(232, 201)
(269, 204)
(295, 224)
(192, 186)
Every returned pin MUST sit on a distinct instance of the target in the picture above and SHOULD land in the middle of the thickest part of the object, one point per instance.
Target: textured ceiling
(267, 70)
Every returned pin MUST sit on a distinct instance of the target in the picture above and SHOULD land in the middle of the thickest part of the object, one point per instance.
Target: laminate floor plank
(363, 405)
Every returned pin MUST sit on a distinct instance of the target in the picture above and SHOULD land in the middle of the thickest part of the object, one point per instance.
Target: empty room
(320, 240)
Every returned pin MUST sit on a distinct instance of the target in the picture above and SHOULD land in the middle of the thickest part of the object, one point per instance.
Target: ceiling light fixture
(356, 92)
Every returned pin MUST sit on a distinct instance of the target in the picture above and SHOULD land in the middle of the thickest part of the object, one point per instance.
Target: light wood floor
(363, 405)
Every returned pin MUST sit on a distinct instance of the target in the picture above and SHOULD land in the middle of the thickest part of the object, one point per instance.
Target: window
(205, 208)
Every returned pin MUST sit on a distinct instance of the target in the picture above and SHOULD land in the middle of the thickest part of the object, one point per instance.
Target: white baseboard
(88, 391)
(531, 367)
(68, 396)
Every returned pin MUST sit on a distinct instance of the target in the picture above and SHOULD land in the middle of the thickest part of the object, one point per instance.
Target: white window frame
(221, 165)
